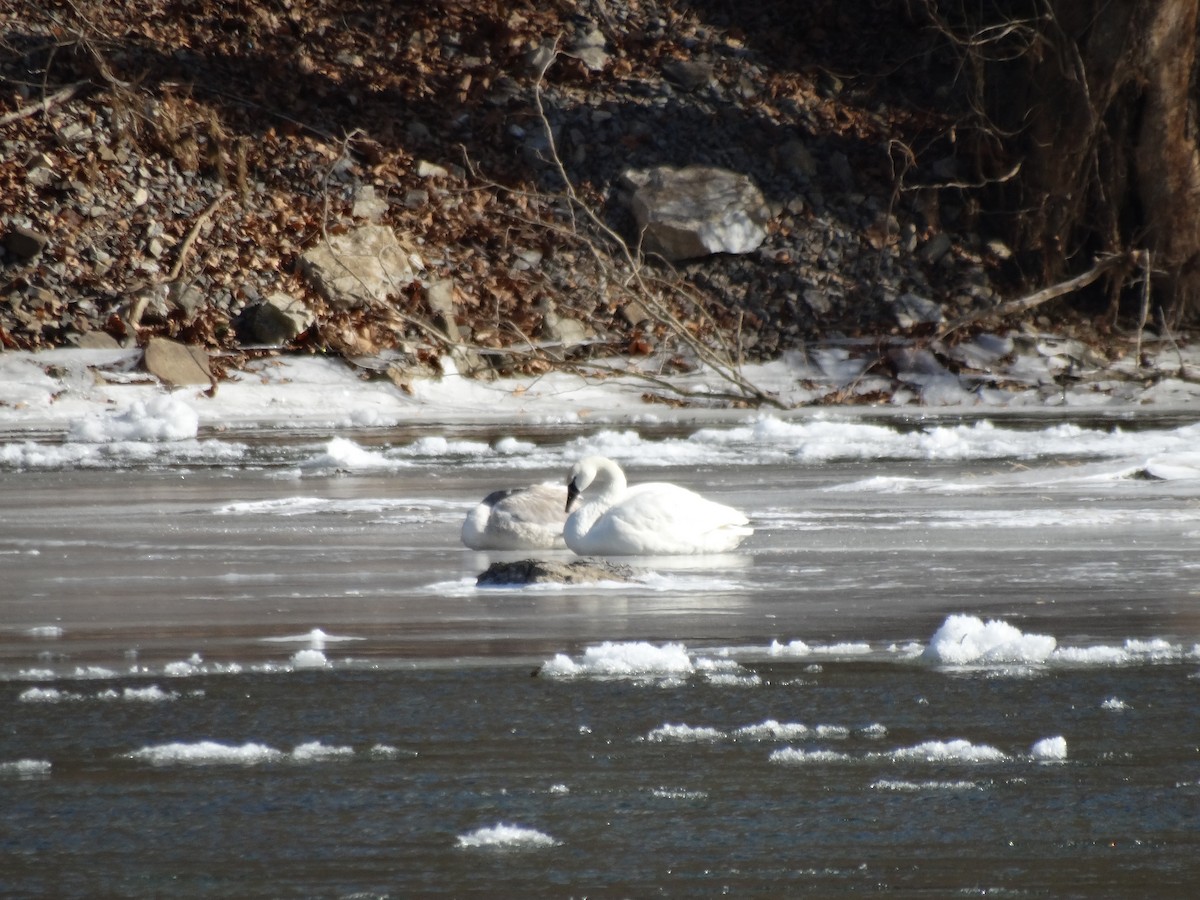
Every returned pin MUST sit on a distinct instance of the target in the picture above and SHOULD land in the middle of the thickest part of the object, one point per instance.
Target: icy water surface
(954, 659)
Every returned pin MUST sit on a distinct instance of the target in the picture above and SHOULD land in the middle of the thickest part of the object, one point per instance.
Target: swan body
(528, 518)
(652, 519)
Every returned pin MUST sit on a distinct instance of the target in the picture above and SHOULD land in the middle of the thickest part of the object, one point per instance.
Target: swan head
(587, 471)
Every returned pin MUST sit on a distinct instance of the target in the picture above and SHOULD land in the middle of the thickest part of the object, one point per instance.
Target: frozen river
(954, 657)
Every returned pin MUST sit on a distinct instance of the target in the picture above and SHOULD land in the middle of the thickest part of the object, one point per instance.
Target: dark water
(478, 746)
(366, 776)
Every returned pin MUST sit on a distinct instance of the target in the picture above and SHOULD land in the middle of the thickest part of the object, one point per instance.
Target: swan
(528, 518)
(653, 519)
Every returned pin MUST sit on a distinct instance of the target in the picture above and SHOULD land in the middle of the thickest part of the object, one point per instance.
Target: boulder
(540, 571)
(176, 363)
(696, 211)
(25, 243)
(361, 267)
(272, 322)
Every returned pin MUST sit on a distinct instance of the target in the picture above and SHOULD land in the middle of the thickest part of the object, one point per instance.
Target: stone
(911, 310)
(426, 169)
(696, 211)
(537, 59)
(687, 75)
(540, 571)
(25, 243)
(588, 48)
(361, 267)
(635, 313)
(175, 363)
(369, 206)
(97, 340)
(272, 322)
(935, 248)
(439, 295)
(187, 298)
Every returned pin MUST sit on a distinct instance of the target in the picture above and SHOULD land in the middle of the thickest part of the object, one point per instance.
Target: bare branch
(1102, 267)
(62, 95)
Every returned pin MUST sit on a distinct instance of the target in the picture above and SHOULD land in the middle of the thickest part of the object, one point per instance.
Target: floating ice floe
(800, 756)
(667, 664)
(958, 750)
(506, 837)
(623, 660)
(200, 753)
(25, 768)
(684, 733)
(1051, 749)
(765, 731)
(309, 659)
(913, 787)
(150, 694)
(963, 640)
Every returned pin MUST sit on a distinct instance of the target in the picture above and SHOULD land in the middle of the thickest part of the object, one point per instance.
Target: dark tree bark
(1095, 101)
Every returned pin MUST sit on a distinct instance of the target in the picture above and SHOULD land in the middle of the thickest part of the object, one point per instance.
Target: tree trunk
(1095, 99)
(1167, 159)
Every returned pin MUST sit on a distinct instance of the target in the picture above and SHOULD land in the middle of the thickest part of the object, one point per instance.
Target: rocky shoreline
(393, 186)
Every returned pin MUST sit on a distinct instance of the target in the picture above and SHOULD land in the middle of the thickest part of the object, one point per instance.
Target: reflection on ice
(317, 639)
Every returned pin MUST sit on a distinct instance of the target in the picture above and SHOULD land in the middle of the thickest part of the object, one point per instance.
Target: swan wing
(518, 519)
(665, 519)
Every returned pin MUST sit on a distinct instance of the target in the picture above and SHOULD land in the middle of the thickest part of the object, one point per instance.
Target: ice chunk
(701, 733)
(949, 751)
(506, 837)
(1051, 749)
(309, 659)
(966, 640)
(632, 659)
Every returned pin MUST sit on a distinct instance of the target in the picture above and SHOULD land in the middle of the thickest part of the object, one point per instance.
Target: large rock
(540, 571)
(176, 363)
(360, 267)
(272, 322)
(696, 211)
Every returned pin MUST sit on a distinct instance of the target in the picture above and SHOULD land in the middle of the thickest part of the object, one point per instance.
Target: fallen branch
(1037, 298)
(62, 95)
(186, 247)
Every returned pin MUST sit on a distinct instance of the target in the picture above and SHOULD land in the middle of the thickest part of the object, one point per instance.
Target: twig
(1046, 294)
(186, 247)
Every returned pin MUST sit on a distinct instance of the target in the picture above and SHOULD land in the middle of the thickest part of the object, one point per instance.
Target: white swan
(654, 519)
(529, 518)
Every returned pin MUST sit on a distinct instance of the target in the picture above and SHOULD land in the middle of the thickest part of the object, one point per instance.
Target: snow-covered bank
(79, 408)
(102, 395)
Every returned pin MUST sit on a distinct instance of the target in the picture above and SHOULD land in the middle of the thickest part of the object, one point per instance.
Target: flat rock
(540, 571)
(176, 363)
